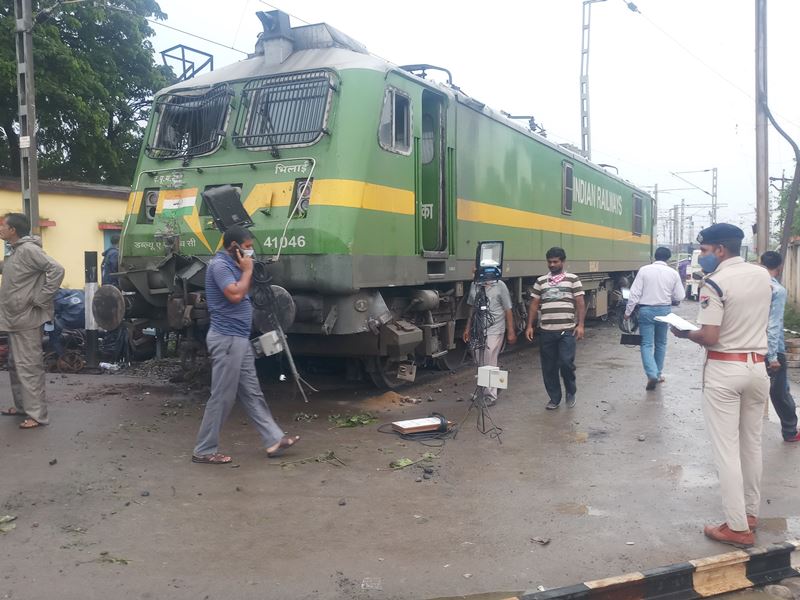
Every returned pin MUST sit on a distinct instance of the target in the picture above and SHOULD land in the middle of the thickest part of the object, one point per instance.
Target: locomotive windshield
(189, 124)
(283, 110)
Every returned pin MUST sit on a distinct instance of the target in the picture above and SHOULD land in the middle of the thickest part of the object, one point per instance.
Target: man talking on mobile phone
(233, 370)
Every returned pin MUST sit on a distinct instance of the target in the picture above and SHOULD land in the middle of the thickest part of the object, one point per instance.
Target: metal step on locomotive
(368, 186)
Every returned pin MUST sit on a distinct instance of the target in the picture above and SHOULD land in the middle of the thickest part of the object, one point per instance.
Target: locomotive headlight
(301, 197)
(150, 205)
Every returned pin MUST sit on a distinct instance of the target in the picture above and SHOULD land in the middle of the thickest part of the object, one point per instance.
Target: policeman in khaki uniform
(734, 310)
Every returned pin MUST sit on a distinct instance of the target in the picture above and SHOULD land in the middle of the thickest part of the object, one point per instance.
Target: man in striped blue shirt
(233, 369)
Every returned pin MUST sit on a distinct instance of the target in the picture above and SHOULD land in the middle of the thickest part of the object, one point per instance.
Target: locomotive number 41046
(295, 241)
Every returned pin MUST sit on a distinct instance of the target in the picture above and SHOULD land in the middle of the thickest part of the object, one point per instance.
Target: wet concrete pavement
(622, 482)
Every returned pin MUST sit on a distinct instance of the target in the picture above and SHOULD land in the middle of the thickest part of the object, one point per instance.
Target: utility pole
(675, 228)
(586, 137)
(713, 195)
(683, 207)
(762, 156)
(655, 213)
(29, 171)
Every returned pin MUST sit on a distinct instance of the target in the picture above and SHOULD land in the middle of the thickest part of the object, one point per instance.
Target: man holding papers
(734, 310)
(656, 288)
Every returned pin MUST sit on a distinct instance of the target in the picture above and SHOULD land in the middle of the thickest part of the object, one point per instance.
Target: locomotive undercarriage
(389, 330)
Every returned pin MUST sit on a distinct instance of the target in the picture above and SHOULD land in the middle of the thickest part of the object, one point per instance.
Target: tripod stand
(478, 337)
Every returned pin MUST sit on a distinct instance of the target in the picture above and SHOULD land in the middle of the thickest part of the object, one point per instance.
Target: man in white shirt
(656, 288)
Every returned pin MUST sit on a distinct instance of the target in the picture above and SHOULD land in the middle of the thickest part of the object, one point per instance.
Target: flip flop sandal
(286, 442)
(12, 412)
(29, 424)
(212, 459)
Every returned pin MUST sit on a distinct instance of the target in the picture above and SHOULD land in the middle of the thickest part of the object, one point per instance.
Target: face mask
(248, 252)
(708, 263)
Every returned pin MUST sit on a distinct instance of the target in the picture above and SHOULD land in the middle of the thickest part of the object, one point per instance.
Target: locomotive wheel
(455, 358)
(382, 370)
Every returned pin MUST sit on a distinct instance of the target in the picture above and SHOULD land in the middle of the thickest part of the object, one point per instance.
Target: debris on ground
(52, 462)
(357, 420)
(342, 502)
(105, 557)
(72, 529)
(402, 463)
(329, 456)
(7, 523)
(301, 416)
(541, 540)
(372, 583)
(642, 438)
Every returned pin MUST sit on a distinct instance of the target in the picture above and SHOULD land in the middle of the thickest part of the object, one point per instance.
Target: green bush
(791, 319)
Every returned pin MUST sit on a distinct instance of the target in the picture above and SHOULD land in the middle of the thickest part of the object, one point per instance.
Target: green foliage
(94, 76)
(780, 217)
(791, 319)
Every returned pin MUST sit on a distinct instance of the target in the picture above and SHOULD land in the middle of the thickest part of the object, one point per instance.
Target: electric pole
(762, 165)
(26, 92)
(586, 137)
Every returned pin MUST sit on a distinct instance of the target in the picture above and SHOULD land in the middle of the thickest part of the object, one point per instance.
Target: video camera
(489, 261)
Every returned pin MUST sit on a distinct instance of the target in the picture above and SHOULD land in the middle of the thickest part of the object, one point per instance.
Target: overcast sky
(671, 87)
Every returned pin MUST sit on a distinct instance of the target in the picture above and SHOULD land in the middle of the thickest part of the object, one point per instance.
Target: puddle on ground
(779, 524)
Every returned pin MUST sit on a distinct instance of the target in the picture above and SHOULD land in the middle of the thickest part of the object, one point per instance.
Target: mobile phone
(235, 251)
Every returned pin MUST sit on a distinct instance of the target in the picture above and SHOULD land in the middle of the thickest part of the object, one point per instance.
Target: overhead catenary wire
(182, 31)
(688, 51)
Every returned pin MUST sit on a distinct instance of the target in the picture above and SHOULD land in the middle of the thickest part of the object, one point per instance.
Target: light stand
(481, 321)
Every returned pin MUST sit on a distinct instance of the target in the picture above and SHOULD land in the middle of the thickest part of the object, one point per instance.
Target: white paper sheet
(678, 322)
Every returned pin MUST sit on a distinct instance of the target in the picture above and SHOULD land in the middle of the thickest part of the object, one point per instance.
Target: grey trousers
(233, 375)
(26, 371)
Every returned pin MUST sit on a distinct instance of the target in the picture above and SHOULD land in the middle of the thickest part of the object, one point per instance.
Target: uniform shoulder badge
(704, 301)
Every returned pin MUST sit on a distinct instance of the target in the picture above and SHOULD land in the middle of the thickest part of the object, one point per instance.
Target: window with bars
(189, 123)
(284, 110)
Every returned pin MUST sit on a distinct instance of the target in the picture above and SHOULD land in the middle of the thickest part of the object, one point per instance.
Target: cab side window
(567, 187)
(638, 214)
(394, 133)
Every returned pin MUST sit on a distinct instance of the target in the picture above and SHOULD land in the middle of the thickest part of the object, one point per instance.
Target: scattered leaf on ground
(352, 420)
(401, 463)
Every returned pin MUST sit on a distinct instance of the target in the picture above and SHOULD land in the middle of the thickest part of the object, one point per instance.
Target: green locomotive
(369, 186)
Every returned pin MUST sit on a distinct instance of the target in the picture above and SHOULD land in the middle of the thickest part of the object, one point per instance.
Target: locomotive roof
(302, 60)
(321, 46)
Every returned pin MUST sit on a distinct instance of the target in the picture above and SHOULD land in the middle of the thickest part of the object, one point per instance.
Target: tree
(780, 219)
(95, 76)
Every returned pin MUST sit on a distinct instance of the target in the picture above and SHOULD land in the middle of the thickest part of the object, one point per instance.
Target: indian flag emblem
(177, 203)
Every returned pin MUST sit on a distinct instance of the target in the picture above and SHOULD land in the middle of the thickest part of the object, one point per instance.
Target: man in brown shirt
(30, 281)
(734, 310)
